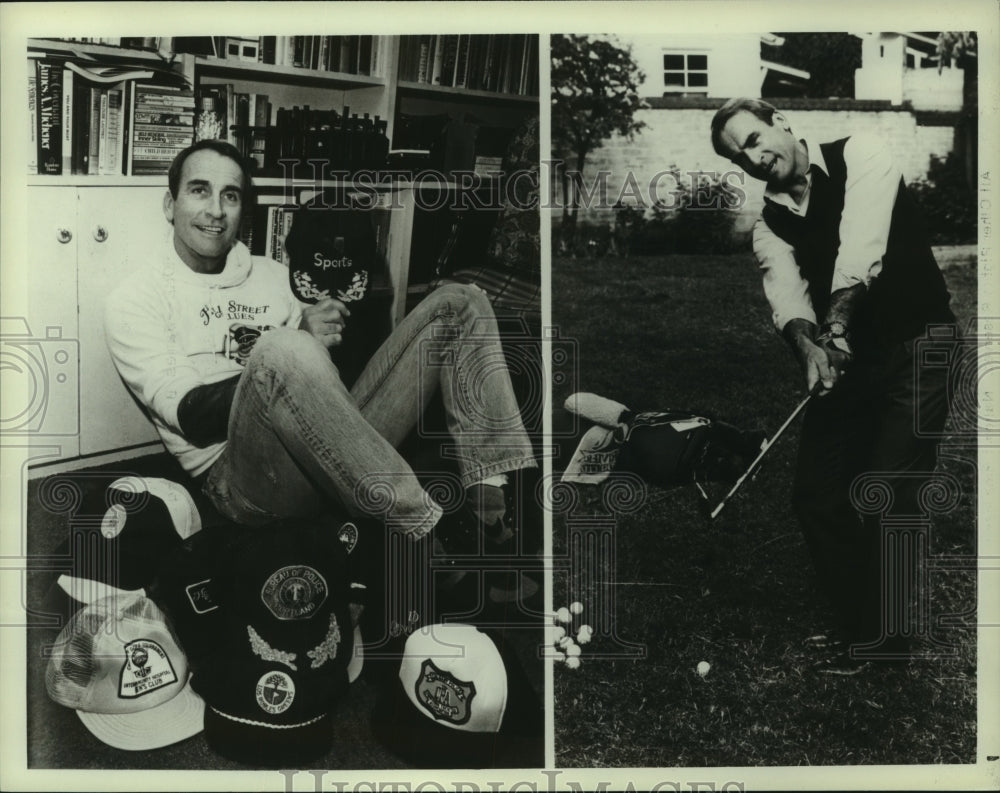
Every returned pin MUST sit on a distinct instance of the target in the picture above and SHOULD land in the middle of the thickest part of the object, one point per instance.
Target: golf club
(765, 446)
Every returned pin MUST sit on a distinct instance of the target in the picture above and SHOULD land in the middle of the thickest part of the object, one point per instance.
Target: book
(67, 115)
(80, 120)
(434, 76)
(105, 128)
(94, 135)
(49, 93)
(32, 120)
(111, 74)
(116, 113)
(462, 62)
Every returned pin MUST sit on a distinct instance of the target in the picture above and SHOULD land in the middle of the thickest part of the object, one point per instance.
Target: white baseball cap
(454, 675)
(118, 664)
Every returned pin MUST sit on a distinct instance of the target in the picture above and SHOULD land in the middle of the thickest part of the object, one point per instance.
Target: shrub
(947, 204)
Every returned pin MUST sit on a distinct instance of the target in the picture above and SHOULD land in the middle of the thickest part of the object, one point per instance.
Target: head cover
(331, 254)
(460, 700)
(265, 615)
(121, 533)
(119, 665)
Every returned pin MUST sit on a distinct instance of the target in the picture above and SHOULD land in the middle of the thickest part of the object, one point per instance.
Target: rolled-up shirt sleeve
(785, 288)
(869, 196)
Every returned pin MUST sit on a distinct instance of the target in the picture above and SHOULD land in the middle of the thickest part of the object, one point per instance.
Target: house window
(685, 71)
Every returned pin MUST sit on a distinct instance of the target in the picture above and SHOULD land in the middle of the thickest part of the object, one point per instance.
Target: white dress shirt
(872, 184)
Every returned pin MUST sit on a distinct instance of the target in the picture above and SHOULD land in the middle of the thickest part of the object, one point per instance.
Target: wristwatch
(835, 336)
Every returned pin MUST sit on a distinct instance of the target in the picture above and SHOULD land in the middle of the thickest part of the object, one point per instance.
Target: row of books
(104, 120)
(360, 55)
(503, 62)
(267, 135)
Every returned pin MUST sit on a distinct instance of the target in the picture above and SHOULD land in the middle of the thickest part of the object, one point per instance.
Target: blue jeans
(299, 439)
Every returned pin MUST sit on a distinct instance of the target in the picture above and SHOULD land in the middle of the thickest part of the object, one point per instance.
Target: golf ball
(703, 668)
(573, 662)
(563, 615)
(576, 607)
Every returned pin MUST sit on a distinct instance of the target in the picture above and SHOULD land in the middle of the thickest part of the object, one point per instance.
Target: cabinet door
(39, 347)
(118, 227)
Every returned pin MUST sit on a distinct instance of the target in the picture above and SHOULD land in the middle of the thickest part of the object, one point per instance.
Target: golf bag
(666, 448)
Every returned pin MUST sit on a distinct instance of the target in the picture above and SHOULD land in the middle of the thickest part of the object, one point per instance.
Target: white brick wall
(682, 138)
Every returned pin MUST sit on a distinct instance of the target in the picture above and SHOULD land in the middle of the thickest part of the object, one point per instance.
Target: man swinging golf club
(852, 283)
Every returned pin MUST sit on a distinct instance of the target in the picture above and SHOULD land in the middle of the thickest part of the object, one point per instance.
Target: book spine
(104, 156)
(49, 122)
(118, 97)
(32, 119)
(94, 136)
(67, 115)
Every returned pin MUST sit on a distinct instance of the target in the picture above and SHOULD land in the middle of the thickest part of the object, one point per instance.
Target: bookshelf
(93, 228)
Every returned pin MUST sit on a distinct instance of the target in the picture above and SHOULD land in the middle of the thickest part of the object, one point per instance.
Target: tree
(962, 48)
(594, 84)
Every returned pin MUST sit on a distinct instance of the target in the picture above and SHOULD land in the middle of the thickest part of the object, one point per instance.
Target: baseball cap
(120, 534)
(265, 616)
(331, 253)
(119, 665)
(460, 700)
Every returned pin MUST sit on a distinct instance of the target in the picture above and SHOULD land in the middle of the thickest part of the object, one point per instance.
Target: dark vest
(910, 292)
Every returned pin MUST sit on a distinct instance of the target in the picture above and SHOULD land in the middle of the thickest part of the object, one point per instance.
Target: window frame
(687, 71)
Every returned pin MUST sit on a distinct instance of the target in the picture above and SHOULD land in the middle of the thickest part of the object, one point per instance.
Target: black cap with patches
(264, 615)
(331, 253)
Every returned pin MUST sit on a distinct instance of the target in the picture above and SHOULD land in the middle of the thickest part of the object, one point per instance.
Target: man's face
(206, 213)
(768, 152)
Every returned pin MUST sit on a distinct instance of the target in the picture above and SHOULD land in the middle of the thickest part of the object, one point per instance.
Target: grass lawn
(695, 331)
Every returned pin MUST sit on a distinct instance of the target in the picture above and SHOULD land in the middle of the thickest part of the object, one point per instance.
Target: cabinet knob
(100, 233)
(64, 235)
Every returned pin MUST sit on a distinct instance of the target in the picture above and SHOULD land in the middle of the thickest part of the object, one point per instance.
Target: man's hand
(325, 320)
(820, 364)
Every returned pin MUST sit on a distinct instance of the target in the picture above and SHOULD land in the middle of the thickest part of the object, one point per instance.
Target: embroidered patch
(266, 652)
(200, 597)
(147, 668)
(443, 695)
(275, 692)
(348, 535)
(294, 592)
(326, 650)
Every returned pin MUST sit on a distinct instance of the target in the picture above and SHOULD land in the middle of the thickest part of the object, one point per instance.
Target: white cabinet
(40, 345)
(117, 228)
(81, 241)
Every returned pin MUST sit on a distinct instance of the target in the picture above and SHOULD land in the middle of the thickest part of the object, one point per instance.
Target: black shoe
(458, 534)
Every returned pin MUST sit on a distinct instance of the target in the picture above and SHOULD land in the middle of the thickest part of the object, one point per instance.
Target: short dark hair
(219, 147)
(758, 107)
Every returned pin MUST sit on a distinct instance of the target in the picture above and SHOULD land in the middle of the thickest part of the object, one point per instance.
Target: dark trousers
(868, 451)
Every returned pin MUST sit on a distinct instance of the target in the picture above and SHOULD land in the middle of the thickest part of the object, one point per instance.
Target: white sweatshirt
(171, 329)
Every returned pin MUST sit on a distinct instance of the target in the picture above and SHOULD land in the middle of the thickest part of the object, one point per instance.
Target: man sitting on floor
(263, 422)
